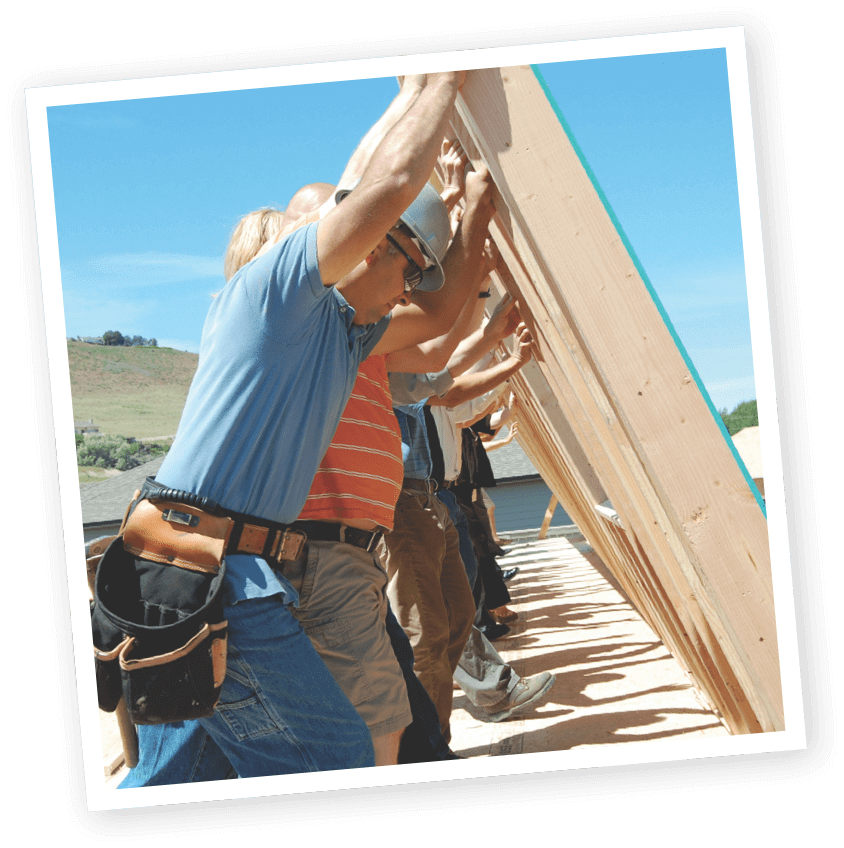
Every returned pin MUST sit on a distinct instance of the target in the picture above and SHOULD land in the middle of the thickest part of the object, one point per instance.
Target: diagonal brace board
(693, 547)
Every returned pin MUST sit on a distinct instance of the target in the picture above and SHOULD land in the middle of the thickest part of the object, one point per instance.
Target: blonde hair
(252, 232)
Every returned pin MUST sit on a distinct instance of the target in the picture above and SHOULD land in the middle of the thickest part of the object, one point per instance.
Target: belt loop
(234, 538)
(270, 543)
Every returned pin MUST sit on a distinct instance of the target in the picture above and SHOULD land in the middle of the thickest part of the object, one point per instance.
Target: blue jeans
(186, 753)
(280, 711)
(422, 740)
(467, 550)
(181, 752)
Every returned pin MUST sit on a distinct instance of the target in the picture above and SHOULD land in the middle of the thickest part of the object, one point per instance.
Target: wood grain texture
(611, 409)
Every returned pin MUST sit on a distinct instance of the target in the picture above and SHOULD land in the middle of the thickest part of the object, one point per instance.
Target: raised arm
(497, 417)
(500, 443)
(397, 171)
(411, 87)
(452, 166)
(432, 314)
(436, 354)
(503, 416)
(503, 322)
(474, 384)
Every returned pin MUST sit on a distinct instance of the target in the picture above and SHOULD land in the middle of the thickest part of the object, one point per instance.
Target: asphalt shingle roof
(105, 502)
(511, 463)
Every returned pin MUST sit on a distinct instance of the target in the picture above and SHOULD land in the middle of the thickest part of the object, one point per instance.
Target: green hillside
(130, 391)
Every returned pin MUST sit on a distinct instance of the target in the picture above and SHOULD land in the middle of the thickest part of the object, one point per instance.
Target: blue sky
(148, 191)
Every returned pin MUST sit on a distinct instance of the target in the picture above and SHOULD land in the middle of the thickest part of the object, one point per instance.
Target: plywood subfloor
(615, 681)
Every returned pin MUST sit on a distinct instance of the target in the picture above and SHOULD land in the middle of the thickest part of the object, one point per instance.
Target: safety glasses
(413, 273)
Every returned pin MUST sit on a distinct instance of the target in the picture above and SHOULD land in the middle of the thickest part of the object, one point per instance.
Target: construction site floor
(615, 682)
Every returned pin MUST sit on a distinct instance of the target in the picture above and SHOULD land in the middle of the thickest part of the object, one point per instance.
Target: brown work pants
(429, 592)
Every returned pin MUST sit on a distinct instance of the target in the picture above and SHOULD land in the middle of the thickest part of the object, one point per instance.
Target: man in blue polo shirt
(279, 355)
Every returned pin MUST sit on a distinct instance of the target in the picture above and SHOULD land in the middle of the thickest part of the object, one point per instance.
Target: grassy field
(92, 474)
(130, 391)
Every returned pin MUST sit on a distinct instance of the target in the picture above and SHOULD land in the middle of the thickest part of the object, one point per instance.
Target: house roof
(511, 463)
(750, 450)
(105, 502)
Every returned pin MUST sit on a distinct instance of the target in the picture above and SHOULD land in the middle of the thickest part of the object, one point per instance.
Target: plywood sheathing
(611, 409)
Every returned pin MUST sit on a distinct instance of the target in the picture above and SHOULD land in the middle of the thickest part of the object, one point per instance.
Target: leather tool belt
(245, 534)
(157, 616)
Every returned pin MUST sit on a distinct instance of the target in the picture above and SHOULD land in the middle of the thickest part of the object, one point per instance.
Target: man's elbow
(400, 186)
(455, 397)
(394, 187)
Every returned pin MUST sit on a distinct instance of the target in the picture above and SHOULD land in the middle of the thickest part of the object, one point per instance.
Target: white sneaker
(527, 691)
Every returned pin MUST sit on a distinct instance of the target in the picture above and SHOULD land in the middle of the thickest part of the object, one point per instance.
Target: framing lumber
(546, 521)
(611, 411)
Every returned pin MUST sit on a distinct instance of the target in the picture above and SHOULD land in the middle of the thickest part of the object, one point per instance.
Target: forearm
(410, 90)
(398, 169)
(472, 349)
(408, 151)
(436, 354)
(472, 385)
(500, 443)
(464, 269)
(478, 416)
(502, 417)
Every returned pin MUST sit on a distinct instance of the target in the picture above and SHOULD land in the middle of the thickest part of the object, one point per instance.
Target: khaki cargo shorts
(342, 609)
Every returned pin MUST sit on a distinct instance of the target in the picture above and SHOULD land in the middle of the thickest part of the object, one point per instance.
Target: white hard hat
(427, 219)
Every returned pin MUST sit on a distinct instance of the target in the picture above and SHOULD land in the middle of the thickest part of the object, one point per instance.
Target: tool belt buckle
(290, 545)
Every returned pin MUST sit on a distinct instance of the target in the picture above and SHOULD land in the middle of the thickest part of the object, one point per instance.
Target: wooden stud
(611, 411)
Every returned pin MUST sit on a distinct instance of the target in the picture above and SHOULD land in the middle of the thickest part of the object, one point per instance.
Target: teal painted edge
(617, 224)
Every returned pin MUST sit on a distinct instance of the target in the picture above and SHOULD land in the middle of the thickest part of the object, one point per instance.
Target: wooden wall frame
(612, 409)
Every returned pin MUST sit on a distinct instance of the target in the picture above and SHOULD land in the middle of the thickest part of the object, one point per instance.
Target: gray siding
(521, 496)
(521, 506)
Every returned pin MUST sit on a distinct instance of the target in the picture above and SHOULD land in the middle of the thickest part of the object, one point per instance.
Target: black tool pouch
(157, 615)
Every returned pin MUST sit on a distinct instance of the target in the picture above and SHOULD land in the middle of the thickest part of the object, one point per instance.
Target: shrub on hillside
(116, 452)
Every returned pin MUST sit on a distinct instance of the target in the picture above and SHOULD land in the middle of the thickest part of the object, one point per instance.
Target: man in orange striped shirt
(341, 583)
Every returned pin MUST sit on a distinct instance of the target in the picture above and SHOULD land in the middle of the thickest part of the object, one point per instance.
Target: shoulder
(291, 263)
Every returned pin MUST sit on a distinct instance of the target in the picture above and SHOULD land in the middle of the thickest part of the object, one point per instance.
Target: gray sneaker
(527, 691)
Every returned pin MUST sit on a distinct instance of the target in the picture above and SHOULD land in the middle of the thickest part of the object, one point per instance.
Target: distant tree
(113, 338)
(744, 415)
(153, 343)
